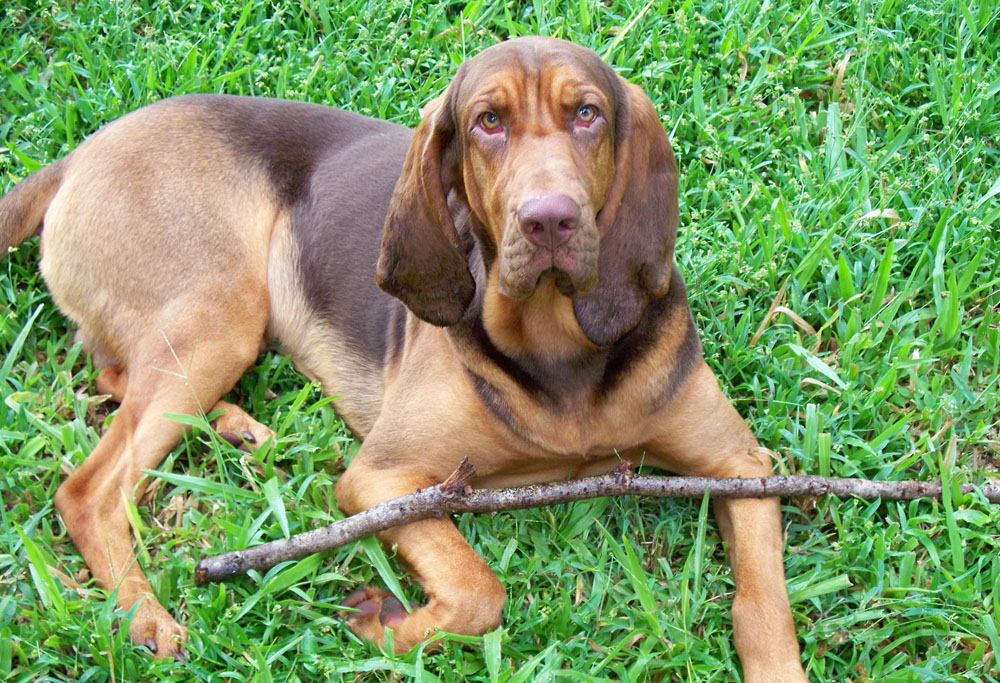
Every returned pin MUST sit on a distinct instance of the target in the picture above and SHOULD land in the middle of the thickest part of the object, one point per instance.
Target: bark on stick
(456, 495)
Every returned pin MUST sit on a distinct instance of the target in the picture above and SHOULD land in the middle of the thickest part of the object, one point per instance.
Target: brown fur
(187, 234)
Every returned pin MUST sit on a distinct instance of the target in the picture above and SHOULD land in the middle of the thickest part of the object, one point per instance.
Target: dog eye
(586, 114)
(490, 122)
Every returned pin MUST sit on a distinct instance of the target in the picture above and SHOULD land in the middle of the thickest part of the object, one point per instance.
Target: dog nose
(549, 220)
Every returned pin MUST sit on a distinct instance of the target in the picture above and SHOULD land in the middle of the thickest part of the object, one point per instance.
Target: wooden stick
(456, 495)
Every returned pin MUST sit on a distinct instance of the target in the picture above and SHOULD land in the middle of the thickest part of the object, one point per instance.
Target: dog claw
(151, 644)
(231, 438)
(239, 440)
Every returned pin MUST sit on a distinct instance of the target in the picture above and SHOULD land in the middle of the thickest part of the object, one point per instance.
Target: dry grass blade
(839, 70)
(797, 319)
(891, 214)
(778, 299)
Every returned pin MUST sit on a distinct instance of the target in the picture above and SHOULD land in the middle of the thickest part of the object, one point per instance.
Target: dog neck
(542, 326)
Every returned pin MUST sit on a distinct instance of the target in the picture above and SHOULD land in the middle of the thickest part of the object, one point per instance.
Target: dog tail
(22, 209)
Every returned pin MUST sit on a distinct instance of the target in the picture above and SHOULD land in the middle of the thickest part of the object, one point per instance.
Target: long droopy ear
(421, 263)
(638, 223)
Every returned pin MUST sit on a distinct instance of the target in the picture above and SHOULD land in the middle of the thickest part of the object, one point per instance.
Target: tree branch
(456, 495)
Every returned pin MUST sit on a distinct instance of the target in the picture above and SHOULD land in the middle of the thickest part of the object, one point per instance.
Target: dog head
(565, 171)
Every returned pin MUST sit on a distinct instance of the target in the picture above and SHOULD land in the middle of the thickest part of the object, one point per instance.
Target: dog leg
(463, 594)
(235, 425)
(92, 500)
(703, 435)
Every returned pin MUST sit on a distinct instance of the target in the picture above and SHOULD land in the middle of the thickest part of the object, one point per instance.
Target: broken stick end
(460, 478)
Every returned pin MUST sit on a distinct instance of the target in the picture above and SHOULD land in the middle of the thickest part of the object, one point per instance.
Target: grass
(839, 165)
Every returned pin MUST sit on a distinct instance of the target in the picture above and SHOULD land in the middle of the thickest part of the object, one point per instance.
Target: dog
(537, 322)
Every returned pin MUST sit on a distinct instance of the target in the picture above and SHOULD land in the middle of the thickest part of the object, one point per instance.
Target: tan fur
(93, 274)
(176, 251)
(543, 321)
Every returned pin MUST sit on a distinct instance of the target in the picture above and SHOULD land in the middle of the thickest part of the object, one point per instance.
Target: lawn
(840, 184)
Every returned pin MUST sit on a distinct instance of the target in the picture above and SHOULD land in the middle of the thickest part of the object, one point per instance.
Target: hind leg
(235, 425)
(202, 361)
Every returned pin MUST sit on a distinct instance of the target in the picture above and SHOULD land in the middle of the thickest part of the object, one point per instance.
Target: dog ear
(638, 223)
(421, 262)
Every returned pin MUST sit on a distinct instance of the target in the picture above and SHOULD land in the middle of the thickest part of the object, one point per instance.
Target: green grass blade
(15, 349)
(820, 588)
(275, 504)
(376, 555)
(281, 581)
(205, 486)
(881, 281)
(638, 579)
(818, 365)
(491, 653)
(48, 590)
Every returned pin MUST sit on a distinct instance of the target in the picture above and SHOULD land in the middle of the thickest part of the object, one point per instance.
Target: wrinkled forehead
(525, 67)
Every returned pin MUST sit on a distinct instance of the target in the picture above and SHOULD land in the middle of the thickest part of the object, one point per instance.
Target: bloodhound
(537, 322)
